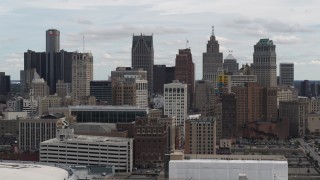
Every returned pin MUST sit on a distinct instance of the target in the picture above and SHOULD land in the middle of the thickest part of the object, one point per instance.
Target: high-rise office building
(175, 101)
(124, 92)
(265, 63)
(200, 135)
(102, 90)
(204, 95)
(82, 74)
(230, 65)
(142, 56)
(52, 65)
(52, 47)
(212, 59)
(170, 74)
(184, 71)
(287, 74)
(159, 78)
(296, 112)
(132, 86)
(305, 88)
(229, 115)
(5, 84)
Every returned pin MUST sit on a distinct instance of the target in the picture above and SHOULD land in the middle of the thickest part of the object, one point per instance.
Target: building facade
(142, 56)
(200, 135)
(184, 72)
(212, 59)
(296, 113)
(108, 114)
(70, 149)
(5, 84)
(265, 63)
(287, 74)
(82, 74)
(230, 64)
(175, 101)
(34, 131)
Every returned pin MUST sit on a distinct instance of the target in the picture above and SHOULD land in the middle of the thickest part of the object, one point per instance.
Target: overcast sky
(108, 26)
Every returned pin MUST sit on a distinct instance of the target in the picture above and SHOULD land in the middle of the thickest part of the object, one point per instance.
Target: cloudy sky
(108, 26)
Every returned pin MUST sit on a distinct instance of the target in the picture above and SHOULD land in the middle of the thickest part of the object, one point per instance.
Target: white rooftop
(85, 138)
(11, 171)
(230, 56)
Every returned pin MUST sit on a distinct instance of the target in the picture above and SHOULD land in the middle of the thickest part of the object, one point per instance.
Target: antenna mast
(212, 30)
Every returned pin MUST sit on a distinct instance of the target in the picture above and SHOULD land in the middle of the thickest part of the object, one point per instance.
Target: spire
(212, 30)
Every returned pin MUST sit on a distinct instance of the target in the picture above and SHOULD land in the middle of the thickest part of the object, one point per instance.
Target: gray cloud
(120, 32)
(82, 20)
(260, 26)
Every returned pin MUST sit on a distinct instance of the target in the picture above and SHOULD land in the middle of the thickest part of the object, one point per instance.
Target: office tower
(82, 74)
(151, 133)
(175, 101)
(296, 113)
(5, 84)
(305, 88)
(52, 47)
(142, 56)
(63, 89)
(34, 131)
(159, 78)
(170, 74)
(52, 101)
(314, 88)
(52, 65)
(200, 135)
(135, 84)
(269, 103)
(249, 105)
(39, 88)
(124, 92)
(184, 72)
(265, 63)
(287, 74)
(102, 90)
(128, 72)
(286, 93)
(212, 59)
(229, 115)
(204, 95)
(240, 80)
(230, 65)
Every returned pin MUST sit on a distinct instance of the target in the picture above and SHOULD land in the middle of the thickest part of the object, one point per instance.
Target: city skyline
(108, 27)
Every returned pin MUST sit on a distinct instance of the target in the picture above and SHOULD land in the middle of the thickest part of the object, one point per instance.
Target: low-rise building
(71, 149)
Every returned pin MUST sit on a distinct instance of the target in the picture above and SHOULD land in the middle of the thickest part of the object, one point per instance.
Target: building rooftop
(17, 170)
(230, 56)
(103, 108)
(85, 138)
(265, 42)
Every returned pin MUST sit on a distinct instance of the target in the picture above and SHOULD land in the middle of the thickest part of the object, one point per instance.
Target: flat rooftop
(85, 138)
(103, 108)
(11, 171)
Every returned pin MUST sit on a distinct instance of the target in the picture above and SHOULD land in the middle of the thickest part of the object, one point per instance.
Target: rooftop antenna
(187, 43)
(212, 30)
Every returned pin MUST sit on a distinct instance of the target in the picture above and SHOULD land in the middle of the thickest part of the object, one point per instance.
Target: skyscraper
(175, 101)
(5, 84)
(286, 74)
(230, 64)
(184, 71)
(264, 63)
(82, 74)
(52, 46)
(142, 56)
(212, 59)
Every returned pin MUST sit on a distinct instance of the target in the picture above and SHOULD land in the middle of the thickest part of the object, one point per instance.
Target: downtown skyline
(108, 28)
